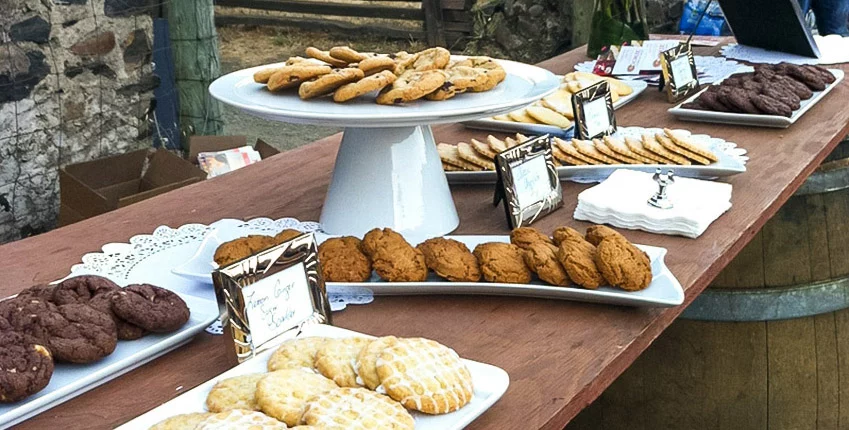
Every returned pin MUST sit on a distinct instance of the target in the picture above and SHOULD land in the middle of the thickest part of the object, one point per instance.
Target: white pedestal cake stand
(387, 173)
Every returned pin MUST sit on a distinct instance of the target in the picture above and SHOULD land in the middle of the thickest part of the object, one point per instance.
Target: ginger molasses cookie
(182, 421)
(393, 258)
(296, 354)
(238, 392)
(150, 307)
(240, 419)
(623, 265)
(541, 258)
(578, 258)
(328, 83)
(335, 359)
(26, 367)
(283, 394)
(342, 260)
(286, 235)
(597, 233)
(237, 249)
(450, 259)
(425, 375)
(356, 409)
(502, 262)
(523, 237)
(563, 233)
(366, 365)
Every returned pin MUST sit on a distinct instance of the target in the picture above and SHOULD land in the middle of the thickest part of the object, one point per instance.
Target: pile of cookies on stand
(402, 77)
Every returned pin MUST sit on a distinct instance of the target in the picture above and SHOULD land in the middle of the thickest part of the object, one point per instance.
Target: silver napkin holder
(660, 199)
(271, 295)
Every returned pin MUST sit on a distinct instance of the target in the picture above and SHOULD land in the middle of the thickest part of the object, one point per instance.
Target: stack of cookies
(567, 259)
(476, 155)
(401, 77)
(769, 90)
(669, 148)
(556, 109)
(344, 383)
(78, 321)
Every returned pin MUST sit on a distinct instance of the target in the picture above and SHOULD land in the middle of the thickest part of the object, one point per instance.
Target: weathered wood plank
(746, 270)
(322, 8)
(841, 320)
(433, 22)
(456, 15)
(786, 258)
(828, 388)
(319, 24)
(837, 222)
(455, 4)
(792, 374)
(463, 27)
(582, 11)
(817, 249)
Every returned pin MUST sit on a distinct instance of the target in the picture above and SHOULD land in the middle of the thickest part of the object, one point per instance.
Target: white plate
(490, 383)
(71, 380)
(664, 290)
(776, 121)
(539, 129)
(732, 161)
(524, 85)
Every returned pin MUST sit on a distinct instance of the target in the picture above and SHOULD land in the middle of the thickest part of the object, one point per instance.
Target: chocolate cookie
(710, 100)
(150, 307)
(80, 289)
(801, 90)
(783, 95)
(31, 316)
(822, 72)
(41, 291)
(83, 334)
(771, 106)
(740, 100)
(807, 77)
(26, 367)
(103, 302)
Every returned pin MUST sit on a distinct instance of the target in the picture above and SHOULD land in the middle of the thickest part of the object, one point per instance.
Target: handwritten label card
(593, 107)
(530, 181)
(679, 72)
(277, 303)
(596, 118)
(527, 182)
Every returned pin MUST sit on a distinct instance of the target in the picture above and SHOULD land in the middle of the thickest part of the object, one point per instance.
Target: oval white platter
(732, 160)
(523, 85)
(489, 383)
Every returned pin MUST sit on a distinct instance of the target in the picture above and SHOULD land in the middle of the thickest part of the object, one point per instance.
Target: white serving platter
(664, 290)
(490, 383)
(71, 380)
(540, 129)
(732, 160)
(523, 85)
(775, 121)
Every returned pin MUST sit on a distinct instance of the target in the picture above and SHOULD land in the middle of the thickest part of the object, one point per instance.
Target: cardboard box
(198, 144)
(99, 186)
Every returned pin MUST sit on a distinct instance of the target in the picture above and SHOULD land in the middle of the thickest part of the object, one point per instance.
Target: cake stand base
(389, 177)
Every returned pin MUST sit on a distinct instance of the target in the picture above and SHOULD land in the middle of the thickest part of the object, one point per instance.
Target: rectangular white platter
(775, 121)
(664, 290)
(490, 383)
(540, 129)
(71, 380)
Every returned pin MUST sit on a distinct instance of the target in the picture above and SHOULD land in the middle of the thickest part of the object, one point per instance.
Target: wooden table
(560, 355)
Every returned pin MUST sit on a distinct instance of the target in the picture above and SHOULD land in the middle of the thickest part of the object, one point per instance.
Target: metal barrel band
(826, 180)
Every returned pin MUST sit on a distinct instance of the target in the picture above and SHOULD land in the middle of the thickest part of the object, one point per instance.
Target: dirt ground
(243, 47)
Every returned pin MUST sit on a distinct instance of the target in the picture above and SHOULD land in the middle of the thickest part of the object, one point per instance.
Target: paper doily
(834, 49)
(710, 70)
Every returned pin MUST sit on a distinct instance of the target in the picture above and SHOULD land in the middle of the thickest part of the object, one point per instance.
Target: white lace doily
(834, 49)
(710, 70)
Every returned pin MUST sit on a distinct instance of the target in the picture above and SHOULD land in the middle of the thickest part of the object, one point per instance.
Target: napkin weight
(271, 295)
(527, 182)
(660, 199)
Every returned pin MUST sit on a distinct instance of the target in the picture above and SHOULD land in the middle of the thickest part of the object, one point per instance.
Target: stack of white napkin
(622, 201)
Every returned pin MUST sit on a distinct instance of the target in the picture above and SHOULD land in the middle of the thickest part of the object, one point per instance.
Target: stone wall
(75, 82)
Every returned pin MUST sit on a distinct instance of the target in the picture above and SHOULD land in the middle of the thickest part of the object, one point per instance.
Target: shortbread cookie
(569, 149)
(182, 421)
(588, 149)
(650, 143)
(239, 419)
(356, 409)
(325, 56)
(604, 149)
(328, 83)
(578, 258)
(618, 146)
(425, 376)
(523, 237)
(685, 143)
(541, 258)
(466, 152)
(364, 86)
(393, 258)
(294, 75)
(564, 158)
(548, 116)
(502, 262)
(451, 155)
(342, 260)
(345, 53)
(597, 233)
(483, 149)
(623, 265)
(238, 392)
(283, 394)
(522, 116)
(637, 147)
(377, 64)
(450, 259)
(296, 354)
(560, 102)
(669, 145)
(411, 86)
(495, 144)
(335, 359)
(366, 365)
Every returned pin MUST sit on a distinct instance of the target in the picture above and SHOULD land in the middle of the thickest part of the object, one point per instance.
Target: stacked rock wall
(76, 81)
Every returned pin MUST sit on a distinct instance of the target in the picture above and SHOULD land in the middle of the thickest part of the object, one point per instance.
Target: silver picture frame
(593, 94)
(675, 90)
(507, 163)
(281, 287)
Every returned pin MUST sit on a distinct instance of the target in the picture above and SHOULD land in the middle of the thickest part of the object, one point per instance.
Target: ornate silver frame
(674, 91)
(506, 161)
(587, 95)
(230, 282)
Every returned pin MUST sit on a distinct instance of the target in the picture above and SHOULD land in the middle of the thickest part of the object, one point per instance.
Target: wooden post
(582, 14)
(433, 22)
(196, 64)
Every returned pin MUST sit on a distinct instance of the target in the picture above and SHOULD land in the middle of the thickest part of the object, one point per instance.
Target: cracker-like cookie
(328, 83)
(467, 153)
(425, 375)
(238, 392)
(325, 56)
(502, 262)
(685, 143)
(335, 359)
(182, 421)
(604, 149)
(495, 144)
(411, 86)
(296, 354)
(637, 147)
(618, 146)
(541, 258)
(483, 149)
(449, 154)
(652, 145)
(623, 265)
(239, 419)
(366, 365)
(450, 259)
(523, 237)
(292, 76)
(578, 258)
(597, 233)
(565, 158)
(375, 82)
(548, 116)
(26, 366)
(451, 168)
(347, 54)
(588, 149)
(393, 258)
(377, 64)
(569, 149)
(283, 394)
(669, 145)
(356, 409)
(342, 260)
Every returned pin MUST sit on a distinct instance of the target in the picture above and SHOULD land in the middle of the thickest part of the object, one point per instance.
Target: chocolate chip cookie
(150, 307)
(623, 265)
(26, 367)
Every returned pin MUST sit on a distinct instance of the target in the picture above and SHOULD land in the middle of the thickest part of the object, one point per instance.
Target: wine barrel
(766, 346)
